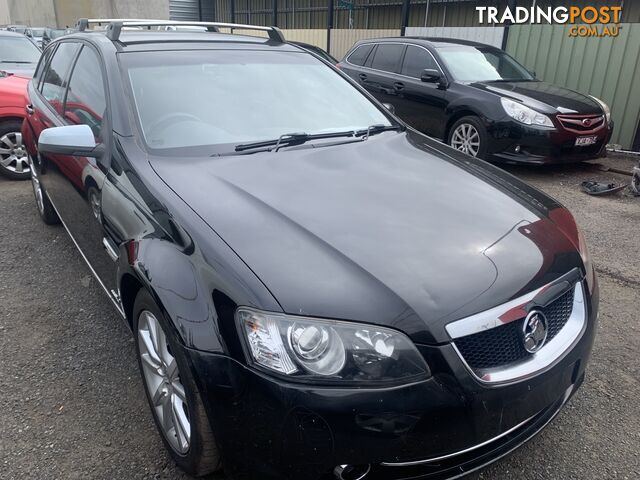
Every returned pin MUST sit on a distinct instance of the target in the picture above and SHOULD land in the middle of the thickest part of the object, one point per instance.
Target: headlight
(328, 350)
(605, 108)
(524, 114)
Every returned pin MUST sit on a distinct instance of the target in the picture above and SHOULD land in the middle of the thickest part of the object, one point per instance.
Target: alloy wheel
(13, 155)
(162, 377)
(466, 139)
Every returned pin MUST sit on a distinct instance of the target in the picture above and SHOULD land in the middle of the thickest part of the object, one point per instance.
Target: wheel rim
(94, 200)
(162, 377)
(37, 189)
(13, 155)
(466, 139)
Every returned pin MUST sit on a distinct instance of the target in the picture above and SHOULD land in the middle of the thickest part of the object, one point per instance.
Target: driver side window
(86, 100)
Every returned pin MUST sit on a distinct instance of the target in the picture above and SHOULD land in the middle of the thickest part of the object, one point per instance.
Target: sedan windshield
(482, 64)
(18, 50)
(221, 98)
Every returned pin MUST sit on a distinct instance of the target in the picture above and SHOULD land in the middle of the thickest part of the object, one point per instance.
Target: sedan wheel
(466, 139)
(162, 377)
(13, 155)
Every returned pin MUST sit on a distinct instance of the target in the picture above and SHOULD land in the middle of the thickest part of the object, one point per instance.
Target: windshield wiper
(14, 61)
(374, 129)
(293, 139)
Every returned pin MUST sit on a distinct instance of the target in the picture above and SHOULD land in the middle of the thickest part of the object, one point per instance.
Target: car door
(380, 73)
(421, 104)
(74, 184)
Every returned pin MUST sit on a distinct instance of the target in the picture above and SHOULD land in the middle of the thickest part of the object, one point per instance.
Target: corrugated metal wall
(608, 68)
(490, 36)
(376, 14)
(184, 10)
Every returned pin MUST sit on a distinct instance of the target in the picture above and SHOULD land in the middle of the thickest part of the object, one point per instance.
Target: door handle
(363, 76)
(398, 85)
(29, 109)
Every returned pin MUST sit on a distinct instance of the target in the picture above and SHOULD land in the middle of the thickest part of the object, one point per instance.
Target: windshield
(481, 64)
(18, 49)
(227, 97)
(37, 32)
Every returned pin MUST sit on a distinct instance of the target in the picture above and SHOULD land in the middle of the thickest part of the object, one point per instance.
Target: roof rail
(115, 25)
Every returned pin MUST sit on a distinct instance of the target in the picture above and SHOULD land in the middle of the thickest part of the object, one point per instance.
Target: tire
(469, 136)
(43, 204)
(14, 163)
(201, 455)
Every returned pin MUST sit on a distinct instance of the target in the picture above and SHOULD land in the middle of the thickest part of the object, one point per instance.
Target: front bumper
(438, 428)
(512, 142)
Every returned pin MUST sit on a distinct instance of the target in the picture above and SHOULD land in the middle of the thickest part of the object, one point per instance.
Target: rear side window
(416, 60)
(86, 100)
(360, 54)
(37, 76)
(387, 56)
(53, 86)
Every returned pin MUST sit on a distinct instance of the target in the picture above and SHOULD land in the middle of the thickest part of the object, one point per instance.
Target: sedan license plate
(585, 141)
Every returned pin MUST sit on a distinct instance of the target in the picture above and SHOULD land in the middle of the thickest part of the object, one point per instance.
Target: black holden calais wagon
(480, 100)
(314, 292)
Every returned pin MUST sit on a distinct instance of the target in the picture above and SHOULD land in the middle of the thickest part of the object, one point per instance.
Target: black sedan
(313, 291)
(480, 100)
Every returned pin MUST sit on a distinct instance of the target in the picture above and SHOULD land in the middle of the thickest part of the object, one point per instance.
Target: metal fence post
(405, 16)
(232, 9)
(275, 13)
(329, 25)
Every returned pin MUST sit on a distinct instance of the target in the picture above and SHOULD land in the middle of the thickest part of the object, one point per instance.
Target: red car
(13, 100)
(18, 59)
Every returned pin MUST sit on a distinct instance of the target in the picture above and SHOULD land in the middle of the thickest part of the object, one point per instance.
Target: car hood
(387, 231)
(13, 90)
(543, 96)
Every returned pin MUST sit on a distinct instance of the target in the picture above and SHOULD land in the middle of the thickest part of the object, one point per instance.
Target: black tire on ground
(203, 456)
(10, 128)
(45, 208)
(476, 124)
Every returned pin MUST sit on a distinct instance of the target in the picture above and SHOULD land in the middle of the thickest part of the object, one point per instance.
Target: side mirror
(390, 107)
(74, 140)
(431, 75)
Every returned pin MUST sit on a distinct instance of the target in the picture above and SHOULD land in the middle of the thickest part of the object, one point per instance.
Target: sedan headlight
(523, 114)
(328, 350)
(605, 108)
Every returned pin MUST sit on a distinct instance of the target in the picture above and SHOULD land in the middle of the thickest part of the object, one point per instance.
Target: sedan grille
(503, 345)
(582, 124)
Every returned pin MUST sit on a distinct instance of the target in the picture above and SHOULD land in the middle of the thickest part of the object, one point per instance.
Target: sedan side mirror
(75, 140)
(431, 75)
(390, 107)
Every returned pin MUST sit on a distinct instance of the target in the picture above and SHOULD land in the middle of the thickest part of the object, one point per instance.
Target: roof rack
(115, 25)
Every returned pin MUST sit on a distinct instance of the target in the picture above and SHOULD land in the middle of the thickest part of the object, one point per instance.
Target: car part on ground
(592, 187)
(293, 339)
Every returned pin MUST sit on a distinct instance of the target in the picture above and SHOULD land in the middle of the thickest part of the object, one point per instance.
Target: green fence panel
(605, 67)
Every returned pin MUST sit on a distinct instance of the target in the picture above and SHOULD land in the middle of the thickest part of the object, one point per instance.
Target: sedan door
(421, 104)
(380, 74)
(74, 184)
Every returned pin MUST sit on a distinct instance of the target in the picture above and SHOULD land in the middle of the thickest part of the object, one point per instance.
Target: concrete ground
(72, 404)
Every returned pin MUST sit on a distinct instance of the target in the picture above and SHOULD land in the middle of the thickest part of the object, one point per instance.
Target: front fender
(173, 279)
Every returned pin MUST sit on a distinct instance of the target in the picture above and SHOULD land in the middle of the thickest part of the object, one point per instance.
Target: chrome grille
(503, 345)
